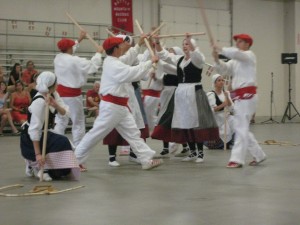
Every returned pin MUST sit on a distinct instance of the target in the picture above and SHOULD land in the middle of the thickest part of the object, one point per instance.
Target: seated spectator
(28, 73)
(60, 160)
(1, 74)
(19, 102)
(4, 111)
(31, 87)
(15, 74)
(218, 100)
(93, 100)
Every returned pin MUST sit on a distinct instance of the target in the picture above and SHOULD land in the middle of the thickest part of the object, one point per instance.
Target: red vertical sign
(122, 15)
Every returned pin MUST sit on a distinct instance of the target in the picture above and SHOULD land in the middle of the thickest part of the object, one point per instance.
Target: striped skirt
(59, 160)
(163, 129)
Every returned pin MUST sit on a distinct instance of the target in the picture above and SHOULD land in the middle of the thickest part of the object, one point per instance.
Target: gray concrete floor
(175, 193)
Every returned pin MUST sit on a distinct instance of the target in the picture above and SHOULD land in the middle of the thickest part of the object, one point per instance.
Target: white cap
(177, 50)
(125, 37)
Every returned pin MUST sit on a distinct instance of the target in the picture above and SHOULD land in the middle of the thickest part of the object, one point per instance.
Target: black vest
(218, 101)
(51, 115)
(191, 73)
(170, 80)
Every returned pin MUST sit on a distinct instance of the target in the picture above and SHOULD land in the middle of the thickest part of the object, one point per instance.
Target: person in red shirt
(28, 73)
(93, 99)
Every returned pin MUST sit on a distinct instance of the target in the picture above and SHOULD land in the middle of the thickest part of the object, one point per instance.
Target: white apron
(185, 110)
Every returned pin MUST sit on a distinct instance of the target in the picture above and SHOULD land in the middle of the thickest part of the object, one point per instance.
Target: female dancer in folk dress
(193, 120)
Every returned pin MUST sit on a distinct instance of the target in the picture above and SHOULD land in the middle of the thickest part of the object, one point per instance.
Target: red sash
(151, 92)
(116, 100)
(243, 93)
(67, 91)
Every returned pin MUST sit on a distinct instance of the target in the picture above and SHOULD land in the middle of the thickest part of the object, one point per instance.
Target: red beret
(64, 44)
(244, 37)
(111, 42)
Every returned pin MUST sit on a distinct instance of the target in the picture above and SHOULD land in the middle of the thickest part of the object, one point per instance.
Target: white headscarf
(44, 81)
(124, 37)
(193, 41)
(214, 78)
(177, 50)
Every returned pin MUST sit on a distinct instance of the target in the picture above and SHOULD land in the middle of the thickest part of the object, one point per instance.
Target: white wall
(264, 20)
(297, 49)
(185, 16)
(87, 11)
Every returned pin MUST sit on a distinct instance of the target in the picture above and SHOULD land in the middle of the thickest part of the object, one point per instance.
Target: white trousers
(244, 139)
(114, 116)
(151, 107)
(77, 117)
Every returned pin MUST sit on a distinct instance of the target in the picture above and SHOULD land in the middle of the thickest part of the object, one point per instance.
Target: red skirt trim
(194, 135)
(162, 133)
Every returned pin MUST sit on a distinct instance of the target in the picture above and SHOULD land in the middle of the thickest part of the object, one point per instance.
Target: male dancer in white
(242, 67)
(114, 112)
(72, 72)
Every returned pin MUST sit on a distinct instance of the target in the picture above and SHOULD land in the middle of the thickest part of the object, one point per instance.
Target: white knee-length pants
(119, 117)
(77, 117)
(244, 139)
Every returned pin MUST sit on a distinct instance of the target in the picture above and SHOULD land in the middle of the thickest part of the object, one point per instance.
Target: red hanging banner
(121, 11)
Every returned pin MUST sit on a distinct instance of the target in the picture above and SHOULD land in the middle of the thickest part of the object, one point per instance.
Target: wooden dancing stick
(148, 46)
(146, 41)
(226, 114)
(225, 128)
(45, 134)
(40, 193)
(204, 17)
(81, 28)
(110, 33)
(157, 29)
(179, 35)
(11, 186)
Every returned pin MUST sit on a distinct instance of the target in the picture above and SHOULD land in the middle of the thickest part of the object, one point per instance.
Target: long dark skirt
(163, 130)
(60, 158)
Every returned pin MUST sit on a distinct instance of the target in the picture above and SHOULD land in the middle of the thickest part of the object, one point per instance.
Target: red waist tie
(116, 100)
(243, 93)
(67, 91)
(151, 92)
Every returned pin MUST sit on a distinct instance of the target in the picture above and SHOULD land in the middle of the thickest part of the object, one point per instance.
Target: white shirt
(213, 101)
(196, 57)
(37, 110)
(72, 71)
(116, 74)
(157, 83)
(242, 67)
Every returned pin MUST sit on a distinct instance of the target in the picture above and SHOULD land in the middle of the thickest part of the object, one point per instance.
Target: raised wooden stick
(179, 35)
(204, 17)
(45, 134)
(153, 32)
(110, 33)
(81, 28)
(157, 29)
(148, 46)
(226, 113)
